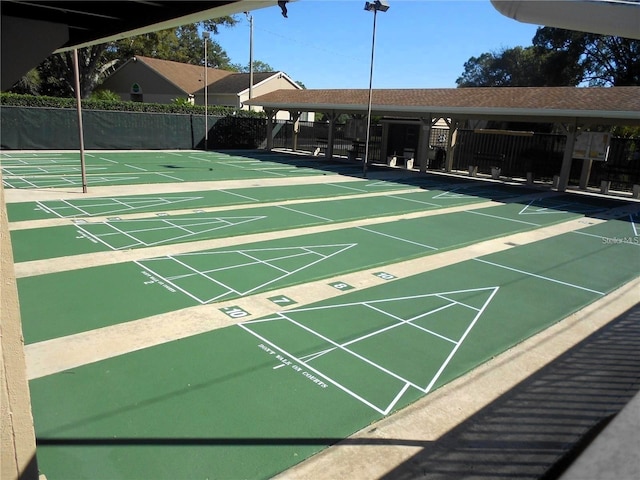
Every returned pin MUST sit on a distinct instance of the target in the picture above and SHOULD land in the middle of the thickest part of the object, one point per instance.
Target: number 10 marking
(234, 312)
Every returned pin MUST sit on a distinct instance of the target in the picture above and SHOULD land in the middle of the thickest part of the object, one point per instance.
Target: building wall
(154, 88)
(279, 82)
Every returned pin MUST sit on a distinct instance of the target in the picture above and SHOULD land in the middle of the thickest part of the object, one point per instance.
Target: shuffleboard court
(101, 206)
(121, 234)
(73, 207)
(120, 168)
(117, 233)
(251, 400)
(175, 281)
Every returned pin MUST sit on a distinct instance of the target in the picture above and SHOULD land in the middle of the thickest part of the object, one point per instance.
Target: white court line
(239, 195)
(502, 218)
(118, 231)
(589, 234)
(539, 276)
(348, 188)
(455, 301)
(199, 273)
(398, 238)
(602, 237)
(301, 268)
(401, 322)
(263, 262)
(385, 300)
(184, 228)
(464, 335)
(219, 224)
(195, 158)
(407, 383)
(267, 171)
(136, 168)
(633, 225)
(237, 265)
(414, 201)
(313, 356)
(309, 367)
(109, 160)
(74, 207)
(168, 176)
(305, 213)
(553, 207)
(49, 210)
(169, 282)
(351, 352)
(257, 261)
(118, 202)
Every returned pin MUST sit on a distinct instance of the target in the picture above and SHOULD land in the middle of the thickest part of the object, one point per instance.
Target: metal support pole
(205, 35)
(76, 73)
(250, 59)
(368, 133)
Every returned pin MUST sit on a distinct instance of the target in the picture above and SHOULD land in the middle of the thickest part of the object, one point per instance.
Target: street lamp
(205, 38)
(250, 18)
(375, 7)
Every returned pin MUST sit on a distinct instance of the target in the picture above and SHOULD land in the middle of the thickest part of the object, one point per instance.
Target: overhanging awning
(596, 105)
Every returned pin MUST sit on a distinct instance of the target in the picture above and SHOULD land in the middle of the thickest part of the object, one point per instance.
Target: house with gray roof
(151, 80)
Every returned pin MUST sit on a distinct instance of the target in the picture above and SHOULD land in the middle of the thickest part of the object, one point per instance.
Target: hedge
(17, 100)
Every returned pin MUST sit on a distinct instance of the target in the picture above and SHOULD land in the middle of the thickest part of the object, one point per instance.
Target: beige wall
(155, 89)
(275, 83)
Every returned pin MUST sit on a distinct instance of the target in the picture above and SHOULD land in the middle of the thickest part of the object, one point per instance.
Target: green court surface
(79, 207)
(121, 234)
(171, 282)
(89, 207)
(257, 397)
(55, 170)
(251, 400)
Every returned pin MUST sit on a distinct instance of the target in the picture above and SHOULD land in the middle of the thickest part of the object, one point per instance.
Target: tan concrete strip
(56, 222)
(61, 264)
(18, 195)
(439, 412)
(51, 356)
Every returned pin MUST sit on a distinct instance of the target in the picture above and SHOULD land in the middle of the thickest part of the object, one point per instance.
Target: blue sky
(419, 43)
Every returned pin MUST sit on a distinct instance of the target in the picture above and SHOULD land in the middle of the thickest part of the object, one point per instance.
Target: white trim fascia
(633, 116)
(275, 74)
(457, 110)
(620, 18)
(215, 12)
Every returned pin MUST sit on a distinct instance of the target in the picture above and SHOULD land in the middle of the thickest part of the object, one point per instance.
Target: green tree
(558, 58)
(57, 72)
(182, 44)
(258, 66)
(516, 67)
(600, 59)
(28, 84)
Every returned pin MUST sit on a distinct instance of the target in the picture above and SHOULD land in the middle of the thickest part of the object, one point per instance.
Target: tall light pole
(205, 37)
(375, 7)
(250, 17)
(76, 76)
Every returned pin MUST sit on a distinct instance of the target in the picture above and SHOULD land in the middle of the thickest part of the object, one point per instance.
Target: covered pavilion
(571, 108)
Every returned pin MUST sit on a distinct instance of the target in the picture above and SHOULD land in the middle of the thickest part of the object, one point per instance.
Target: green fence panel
(30, 128)
(38, 128)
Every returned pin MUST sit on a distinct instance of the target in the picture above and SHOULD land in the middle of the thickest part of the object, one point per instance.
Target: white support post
(565, 170)
(451, 142)
(333, 116)
(422, 155)
(295, 117)
(271, 114)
